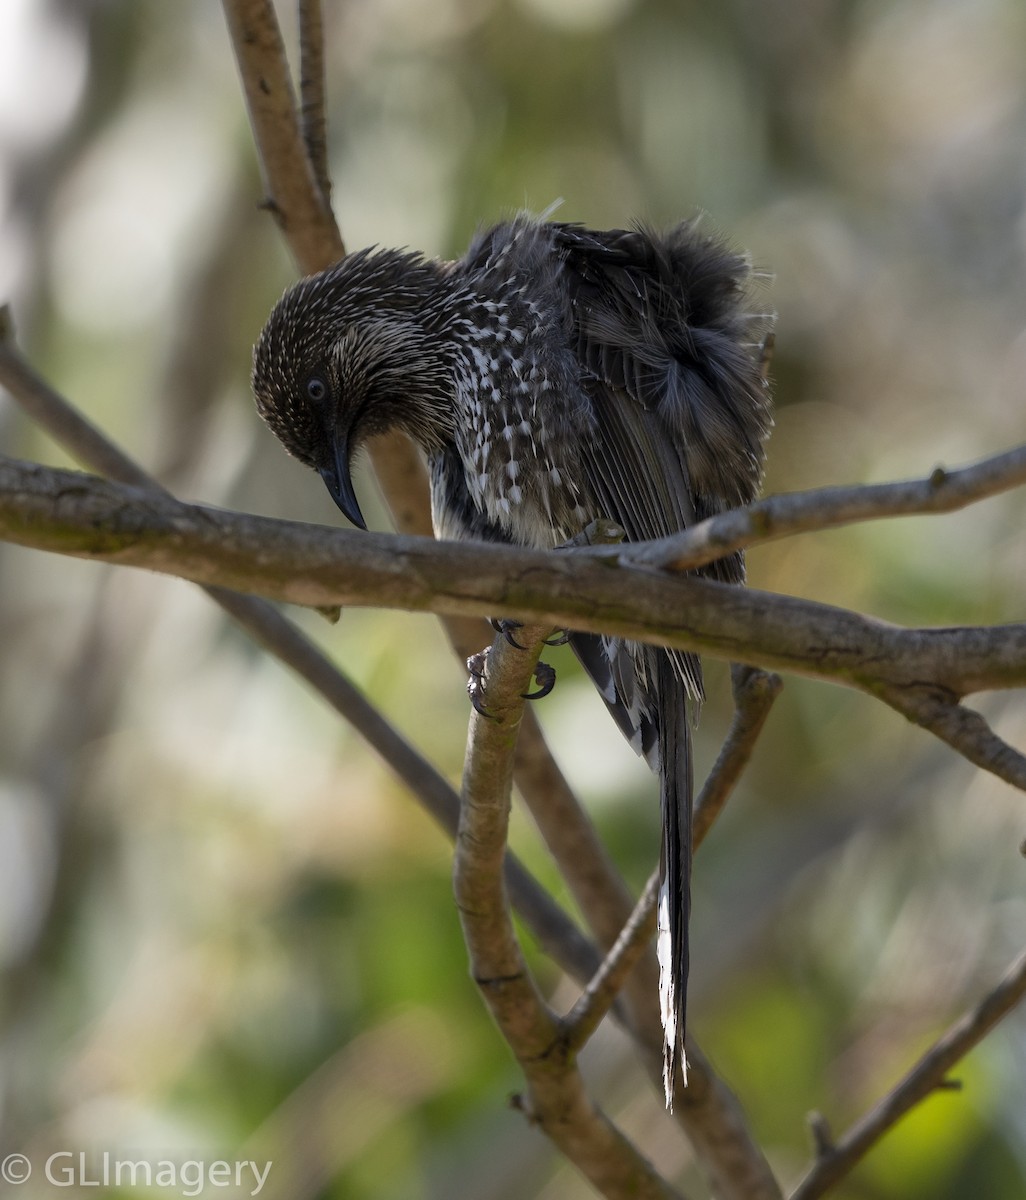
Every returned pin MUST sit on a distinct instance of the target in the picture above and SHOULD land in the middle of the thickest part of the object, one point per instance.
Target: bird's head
(355, 351)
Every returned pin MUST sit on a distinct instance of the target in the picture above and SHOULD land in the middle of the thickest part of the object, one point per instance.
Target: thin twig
(827, 508)
(754, 693)
(571, 836)
(834, 1162)
(312, 93)
(598, 997)
(294, 196)
(556, 1100)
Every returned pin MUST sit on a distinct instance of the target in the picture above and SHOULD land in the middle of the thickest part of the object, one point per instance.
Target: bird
(553, 375)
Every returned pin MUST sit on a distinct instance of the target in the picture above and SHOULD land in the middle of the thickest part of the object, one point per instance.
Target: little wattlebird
(552, 376)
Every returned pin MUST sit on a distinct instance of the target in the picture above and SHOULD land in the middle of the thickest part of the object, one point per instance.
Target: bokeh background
(224, 928)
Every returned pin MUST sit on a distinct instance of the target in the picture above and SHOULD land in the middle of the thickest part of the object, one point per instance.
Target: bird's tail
(676, 785)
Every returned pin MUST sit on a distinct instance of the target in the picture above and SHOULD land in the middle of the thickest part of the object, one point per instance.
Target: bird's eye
(316, 389)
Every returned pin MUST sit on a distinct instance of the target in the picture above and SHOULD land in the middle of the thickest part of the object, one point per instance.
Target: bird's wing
(671, 360)
(658, 327)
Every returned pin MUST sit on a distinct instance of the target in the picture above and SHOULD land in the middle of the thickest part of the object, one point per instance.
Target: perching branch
(922, 672)
(556, 1099)
(317, 566)
(929, 1074)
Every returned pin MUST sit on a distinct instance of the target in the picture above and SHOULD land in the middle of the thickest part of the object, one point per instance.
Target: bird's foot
(545, 677)
(543, 674)
(507, 628)
(475, 683)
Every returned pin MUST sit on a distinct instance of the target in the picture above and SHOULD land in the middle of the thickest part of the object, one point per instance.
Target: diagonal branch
(929, 1074)
(556, 1097)
(754, 694)
(598, 997)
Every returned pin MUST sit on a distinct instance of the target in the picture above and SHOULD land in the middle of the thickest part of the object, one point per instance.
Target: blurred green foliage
(223, 925)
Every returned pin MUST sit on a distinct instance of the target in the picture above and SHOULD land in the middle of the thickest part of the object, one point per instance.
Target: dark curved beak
(339, 483)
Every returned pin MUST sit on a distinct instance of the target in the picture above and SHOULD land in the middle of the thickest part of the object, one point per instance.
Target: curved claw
(558, 639)
(479, 708)
(546, 679)
(506, 628)
(475, 684)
